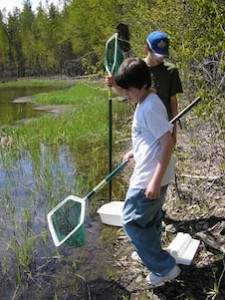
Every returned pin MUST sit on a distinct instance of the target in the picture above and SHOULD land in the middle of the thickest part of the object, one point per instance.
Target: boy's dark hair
(133, 72)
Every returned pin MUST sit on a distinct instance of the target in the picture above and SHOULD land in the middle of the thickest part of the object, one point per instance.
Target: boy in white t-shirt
(152, 146)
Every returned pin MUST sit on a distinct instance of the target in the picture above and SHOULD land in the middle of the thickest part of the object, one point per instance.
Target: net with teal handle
(66, 220)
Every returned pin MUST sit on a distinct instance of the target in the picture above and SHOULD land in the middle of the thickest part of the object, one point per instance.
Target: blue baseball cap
(158, 41)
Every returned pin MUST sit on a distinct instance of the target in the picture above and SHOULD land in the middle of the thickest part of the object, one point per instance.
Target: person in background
(165, 76)
(152, 147)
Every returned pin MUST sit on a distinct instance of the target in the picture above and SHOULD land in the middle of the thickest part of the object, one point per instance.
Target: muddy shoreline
(54, 109)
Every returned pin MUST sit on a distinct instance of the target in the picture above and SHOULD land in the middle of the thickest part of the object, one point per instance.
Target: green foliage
(44, 40)
(4, 46)
(214, 291)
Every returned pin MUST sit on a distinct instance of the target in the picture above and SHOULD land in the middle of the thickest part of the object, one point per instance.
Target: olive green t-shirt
(166, 82)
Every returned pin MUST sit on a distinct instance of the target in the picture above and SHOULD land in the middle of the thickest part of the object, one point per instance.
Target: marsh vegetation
(42, 162)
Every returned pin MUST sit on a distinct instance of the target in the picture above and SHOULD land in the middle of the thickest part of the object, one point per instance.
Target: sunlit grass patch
(79, 93)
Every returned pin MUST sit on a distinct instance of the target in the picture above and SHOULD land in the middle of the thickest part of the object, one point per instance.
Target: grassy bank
(85, 120)
(83, 126)
(43, 161)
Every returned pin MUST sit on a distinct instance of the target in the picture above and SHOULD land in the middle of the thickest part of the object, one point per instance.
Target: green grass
(85, 121)
(79, 93)
(83, 128)
(34, 83)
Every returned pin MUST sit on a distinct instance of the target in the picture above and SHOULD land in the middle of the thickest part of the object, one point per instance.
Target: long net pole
(110, 139)
(116, 46)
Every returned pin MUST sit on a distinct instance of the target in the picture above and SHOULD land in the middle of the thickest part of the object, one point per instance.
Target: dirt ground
(196, 281)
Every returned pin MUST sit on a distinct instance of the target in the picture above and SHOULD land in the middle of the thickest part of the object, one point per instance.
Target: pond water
(11, 111)
(30, 265)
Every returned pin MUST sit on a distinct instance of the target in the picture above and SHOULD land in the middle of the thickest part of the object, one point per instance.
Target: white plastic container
(183, 248)
(110, 213)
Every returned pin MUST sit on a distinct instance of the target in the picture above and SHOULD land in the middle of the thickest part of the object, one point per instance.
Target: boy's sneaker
(155, 280)
(136, 257)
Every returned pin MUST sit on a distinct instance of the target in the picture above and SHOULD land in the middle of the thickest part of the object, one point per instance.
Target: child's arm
(154, 186)
(110, 81)
(128, 156)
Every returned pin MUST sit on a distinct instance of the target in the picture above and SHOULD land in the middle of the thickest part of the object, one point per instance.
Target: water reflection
(10, 111)
(35, 180)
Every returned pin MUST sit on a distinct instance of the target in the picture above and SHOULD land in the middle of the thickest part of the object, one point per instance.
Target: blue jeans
(142, 222)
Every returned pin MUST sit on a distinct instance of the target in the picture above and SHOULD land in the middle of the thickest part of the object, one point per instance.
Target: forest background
(45, 41)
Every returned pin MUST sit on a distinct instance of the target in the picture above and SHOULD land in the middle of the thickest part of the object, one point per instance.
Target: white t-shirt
(150, 122)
